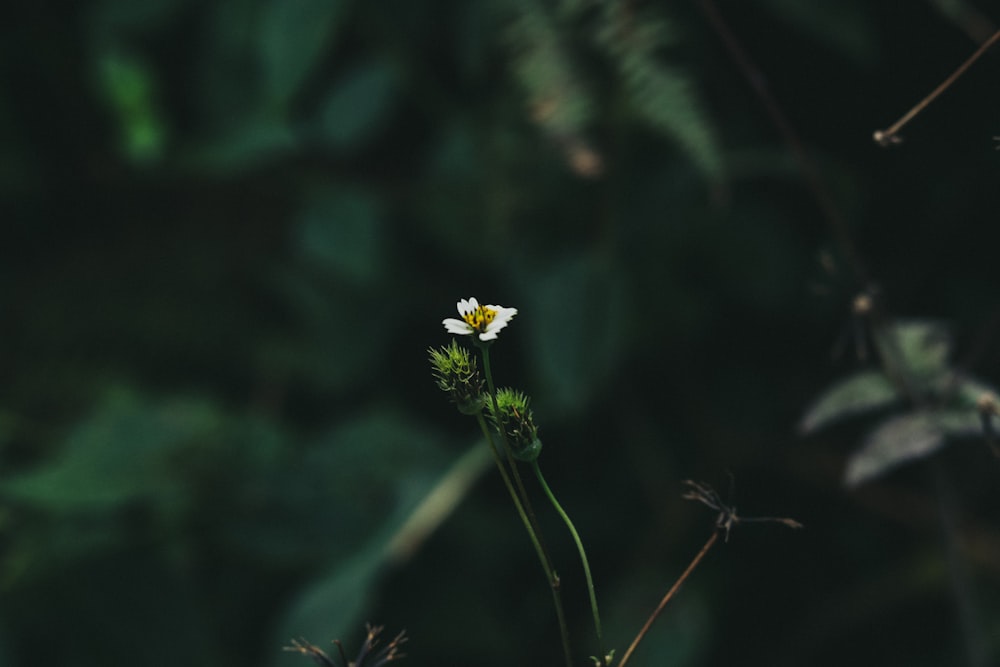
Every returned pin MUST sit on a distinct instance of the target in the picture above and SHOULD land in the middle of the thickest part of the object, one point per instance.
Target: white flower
(486, 321)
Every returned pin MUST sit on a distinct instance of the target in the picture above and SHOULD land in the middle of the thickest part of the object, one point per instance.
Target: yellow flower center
(480, 318)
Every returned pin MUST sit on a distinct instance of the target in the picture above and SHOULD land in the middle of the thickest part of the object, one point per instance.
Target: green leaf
(358, 105)
(342, 229)
(293, 35)
(543, 66)
(366, 467)
(246, 145)
(122, 453)
(842, 25)
(684, 633)
(906, 438)
(968, 391)
(110, 18)
(128, 87)
(863, 392)
(923, 347)
(108, 610)
(660, 94)
(666, 100)
(575, 312)
(384, 455)
(331, 607)
(335, 339)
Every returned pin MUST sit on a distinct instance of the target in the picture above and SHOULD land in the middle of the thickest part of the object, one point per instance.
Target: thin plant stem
(542, 554)
(890, 135)
(835, 220)
(583, 559)
(522, 501)
(666, 598)
(507, 449)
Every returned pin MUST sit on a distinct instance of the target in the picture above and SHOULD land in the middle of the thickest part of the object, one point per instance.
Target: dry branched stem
(890, 136)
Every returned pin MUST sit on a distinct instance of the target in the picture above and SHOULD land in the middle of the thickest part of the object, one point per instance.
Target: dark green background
(230, 230)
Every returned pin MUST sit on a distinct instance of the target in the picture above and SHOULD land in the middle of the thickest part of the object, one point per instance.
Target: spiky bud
(457, 374)
(514, 419)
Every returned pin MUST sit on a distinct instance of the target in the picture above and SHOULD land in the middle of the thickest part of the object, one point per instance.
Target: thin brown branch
(890, 135)
(836, 222)
(666, 598)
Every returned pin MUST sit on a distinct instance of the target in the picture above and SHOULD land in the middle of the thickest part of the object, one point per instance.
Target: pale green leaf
(664, 98)
(121, 453)
(863, 392)
(844, 26)
(905, 438)
(922, 346)
(968, 391)
(342, 230)
(358, 105)
(293, 35)
(577, 313)
(331, 607)
(246, 145)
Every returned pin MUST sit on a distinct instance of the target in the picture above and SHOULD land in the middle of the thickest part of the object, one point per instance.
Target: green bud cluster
(457, 374)
(516, 421)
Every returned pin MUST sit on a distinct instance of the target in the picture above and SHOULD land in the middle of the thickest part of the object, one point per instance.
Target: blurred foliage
(915, 358)
(229, 234)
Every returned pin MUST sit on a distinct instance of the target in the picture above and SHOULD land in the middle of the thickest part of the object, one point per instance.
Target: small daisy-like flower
(486, 321)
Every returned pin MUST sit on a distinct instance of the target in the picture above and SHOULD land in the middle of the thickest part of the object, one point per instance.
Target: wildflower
(513, 417)
(486, 321)
(458, 375)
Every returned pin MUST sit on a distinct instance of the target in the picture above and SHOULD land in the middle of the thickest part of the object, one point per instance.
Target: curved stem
(523, 505)
(550, 575)
(583, 558)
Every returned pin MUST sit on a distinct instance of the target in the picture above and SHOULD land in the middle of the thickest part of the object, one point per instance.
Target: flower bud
(457, 374)
(514, 419)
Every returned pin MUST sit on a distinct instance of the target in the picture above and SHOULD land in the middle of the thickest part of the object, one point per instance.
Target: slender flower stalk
(457, 375)
(515, 422)
(543, 555)
(604, 656)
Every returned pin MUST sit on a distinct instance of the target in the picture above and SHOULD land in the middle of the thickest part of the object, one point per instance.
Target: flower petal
(454, 326)
(466, 306)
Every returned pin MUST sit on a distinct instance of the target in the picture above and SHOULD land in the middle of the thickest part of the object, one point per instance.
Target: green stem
(523, 506)
(485, 347)
(583, 558)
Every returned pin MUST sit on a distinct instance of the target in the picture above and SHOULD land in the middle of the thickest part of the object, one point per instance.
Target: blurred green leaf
(905, 438)
(367, 468)
(122, 453)
(862, 392)
(335, 339)
(680, 636)
(109, 610)
(245, 146)
(110, 18)
(843, 26)
(385, 455)
(575, 311)
(968, 392)
(661, 95)
(333, 606)
(922, 346)
(342, 229)
(358, 105)
(129, 89)
(293, 35)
